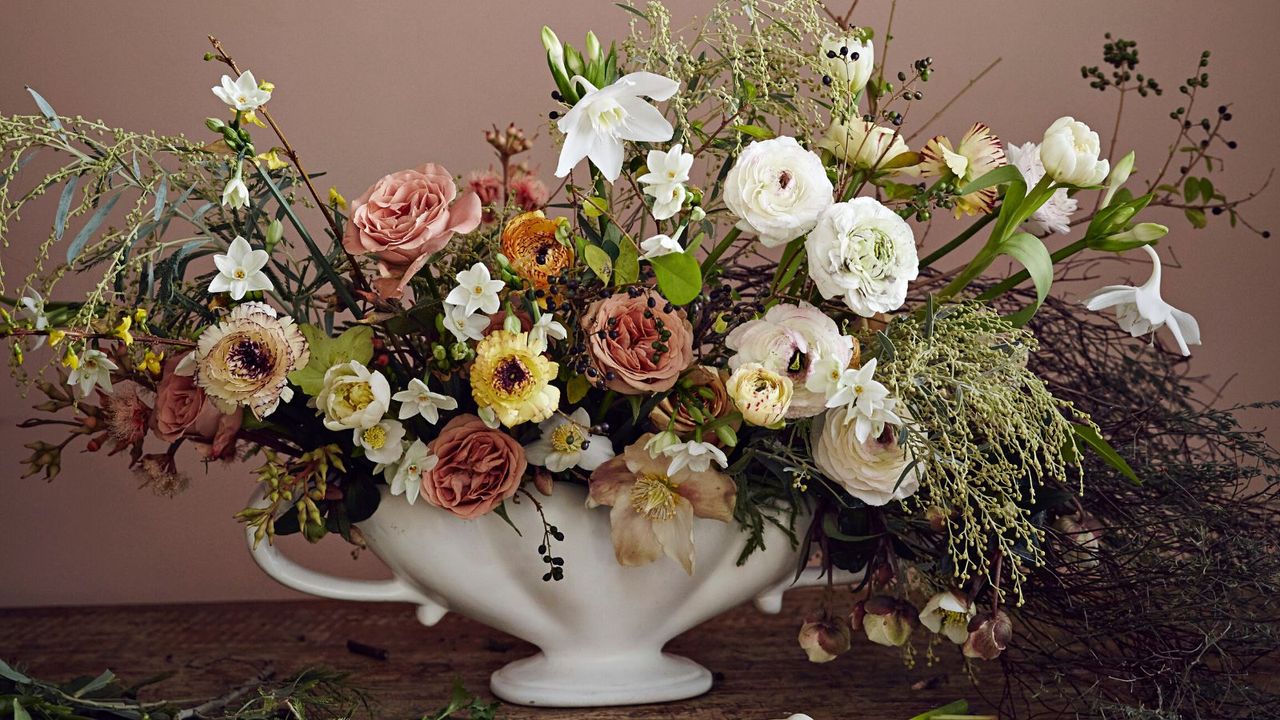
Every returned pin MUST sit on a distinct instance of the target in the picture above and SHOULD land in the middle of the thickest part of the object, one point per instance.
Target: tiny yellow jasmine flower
(56, 336)
(71, 360)
(140, 316)
(121, 331)
(272, 159)
(267, 86)
(251, 118)
(335, 198)
(152, 362)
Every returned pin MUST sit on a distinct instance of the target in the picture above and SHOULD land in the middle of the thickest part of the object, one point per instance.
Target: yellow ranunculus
(513, 380)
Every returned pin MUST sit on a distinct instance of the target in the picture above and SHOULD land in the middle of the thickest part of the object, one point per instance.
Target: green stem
(720, 249)
(959, 240)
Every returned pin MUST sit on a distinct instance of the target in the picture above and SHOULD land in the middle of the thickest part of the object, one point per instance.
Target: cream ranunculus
(1071, 154)
(353, 397)
(777, 189)
(874, 471)
(863, 144)
(862, 252)
(847, 60)
(762, 395)
(245, 360)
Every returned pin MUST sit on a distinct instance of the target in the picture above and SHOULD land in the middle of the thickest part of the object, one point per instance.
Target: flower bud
(275, 233)
(593, 47)
(888, 621)
(989, 634)
(824, 638)
(1119, 174)
(214, 124)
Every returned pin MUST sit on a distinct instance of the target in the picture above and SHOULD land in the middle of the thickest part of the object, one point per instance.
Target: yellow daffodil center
(374, 438)
(567, 438)
(654, 496)
(239, 273)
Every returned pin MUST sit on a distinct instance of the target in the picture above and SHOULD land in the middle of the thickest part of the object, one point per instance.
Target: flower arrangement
(725, 311)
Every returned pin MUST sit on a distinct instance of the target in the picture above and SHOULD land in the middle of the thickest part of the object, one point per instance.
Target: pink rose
(478, 468)
(183, 411)
(405, 218)
(621, 333)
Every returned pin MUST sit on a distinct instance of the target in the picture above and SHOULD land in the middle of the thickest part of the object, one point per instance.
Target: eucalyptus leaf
(86, 233)
(64, 206)
(45, 109)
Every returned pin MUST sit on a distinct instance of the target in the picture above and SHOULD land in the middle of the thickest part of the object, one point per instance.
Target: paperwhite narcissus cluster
(240, 270)
(668, 172)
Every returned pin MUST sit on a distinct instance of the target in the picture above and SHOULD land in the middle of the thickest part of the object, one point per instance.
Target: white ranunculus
(1055, 214)
(1141, 310)
(777, 189)
(847, 60)
(862, 252)
(801, 342)
(353, 397)
(1071, 153)
(607, 117)
(762, 395)
(872, 471)
(863, 144)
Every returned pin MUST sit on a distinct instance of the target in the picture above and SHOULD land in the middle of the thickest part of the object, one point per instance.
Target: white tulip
(1141, 310)
(847, 60)
(598, 125)
(863, 144)
(407, 478)
(777, 189)
(1071, 154)
(862, 252)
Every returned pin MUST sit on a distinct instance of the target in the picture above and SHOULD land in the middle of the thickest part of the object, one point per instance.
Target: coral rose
(478, 468)
(405, 218)
(184, 411)
(622, 330)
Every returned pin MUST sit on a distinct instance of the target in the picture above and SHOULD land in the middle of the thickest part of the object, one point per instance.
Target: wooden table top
(760, 672)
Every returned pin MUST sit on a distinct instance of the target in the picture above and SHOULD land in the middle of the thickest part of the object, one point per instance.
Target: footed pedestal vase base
(548, 681)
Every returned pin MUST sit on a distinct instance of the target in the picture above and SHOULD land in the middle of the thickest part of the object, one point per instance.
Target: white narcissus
(476, 290)
(863, 253)
(418, 399)
(546, 327)
(777, 189)
(867, 399)
(695, 455)
(660, 245)
(243, 93)
(1141, 310)
(1071, 154)
(93, 371)
(240, 270)
(236, 193)
(668, 172)
(567, 442)
(353, 396)
(464, 326)
(33, 309)
(605, 118)
(407, 478)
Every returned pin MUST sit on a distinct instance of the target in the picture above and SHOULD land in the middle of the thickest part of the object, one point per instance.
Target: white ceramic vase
(600, 630)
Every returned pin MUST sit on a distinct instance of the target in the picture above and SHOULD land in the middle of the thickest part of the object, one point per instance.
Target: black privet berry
(854, 56)
(553, 114)
(1233, 144)
(831, 54)
(826, 79)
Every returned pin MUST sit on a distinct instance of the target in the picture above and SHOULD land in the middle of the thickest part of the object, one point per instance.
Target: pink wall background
(368, 88)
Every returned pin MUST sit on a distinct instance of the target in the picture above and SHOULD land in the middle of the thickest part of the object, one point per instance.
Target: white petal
(644, 123)
(1110, 296)
(606, 154)
(655, 86)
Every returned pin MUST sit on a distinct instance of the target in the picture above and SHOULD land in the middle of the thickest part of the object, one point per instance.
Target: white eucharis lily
(694, 455)
(1141, 310)
(240, 270)
(545, 328)
(607, 117)
(870, 407)
(661, 244)
(417, 399)
(407, 479)
(668, 172)
(476, 290)
(567, 442)
(243, 93)
(93, 370)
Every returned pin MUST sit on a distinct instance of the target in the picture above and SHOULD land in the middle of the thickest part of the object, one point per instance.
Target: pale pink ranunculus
(184, 411)
(620, 342)
(478, 468)
(405, 218)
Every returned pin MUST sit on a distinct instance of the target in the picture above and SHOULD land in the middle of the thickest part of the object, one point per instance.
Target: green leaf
(1028, 250)
(755, 131)
(1206, 189)
(999, 176)
(64, 207)
(96, 684)
(1093, 439)
(626, 267)
(354, 344)
(45, 109)
(633, 11)
(7, 672)
(599, 261)
(501, 511)
(679, 277)
(576, 388)
(19, 712)
(1190, 189)
(1196, 218)
(957, 708)
(86, 232)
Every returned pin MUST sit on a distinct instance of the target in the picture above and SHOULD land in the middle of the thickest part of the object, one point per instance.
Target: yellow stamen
(375, 437)
(654, 496)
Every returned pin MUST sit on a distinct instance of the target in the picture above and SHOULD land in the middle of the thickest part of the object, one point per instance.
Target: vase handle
(770, 601)
(292, 575)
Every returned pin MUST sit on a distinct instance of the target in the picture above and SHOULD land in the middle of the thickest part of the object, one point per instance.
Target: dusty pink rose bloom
(528, 192)
(183, 411)
(478, 468)
(652, 512)
(405, 218)
(487, 186)
(620, 341)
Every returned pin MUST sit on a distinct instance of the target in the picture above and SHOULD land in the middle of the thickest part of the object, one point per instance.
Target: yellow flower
(272, 159)
(335, 198)
(140, 316)
(56, 336)
(513, 380)
(530, 244)
(252, 118)
(71, 360)
(151, 362)
(121, 331)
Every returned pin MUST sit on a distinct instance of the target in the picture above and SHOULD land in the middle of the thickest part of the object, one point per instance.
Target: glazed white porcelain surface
(600, 630)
